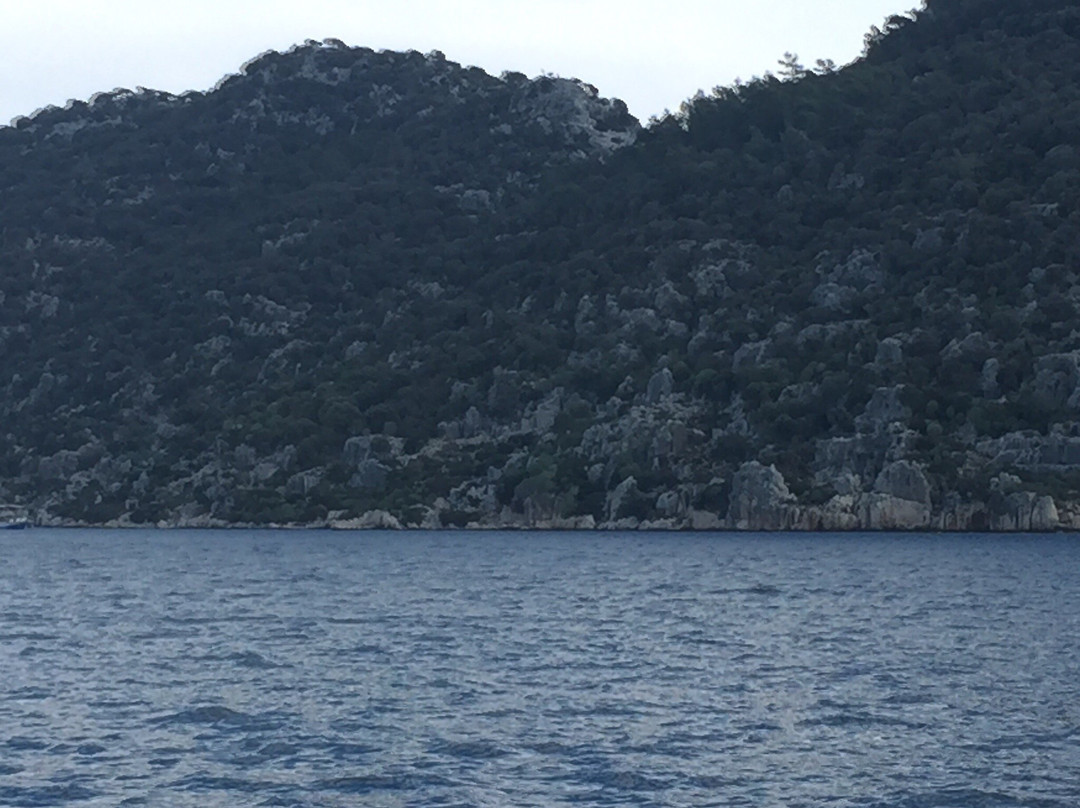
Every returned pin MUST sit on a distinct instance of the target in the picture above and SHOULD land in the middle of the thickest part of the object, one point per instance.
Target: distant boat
(13, 518)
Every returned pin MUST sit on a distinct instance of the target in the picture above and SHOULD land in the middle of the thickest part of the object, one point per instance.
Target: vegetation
(347, 280)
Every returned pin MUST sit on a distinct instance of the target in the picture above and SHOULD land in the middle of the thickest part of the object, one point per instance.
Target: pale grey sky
(652, 54)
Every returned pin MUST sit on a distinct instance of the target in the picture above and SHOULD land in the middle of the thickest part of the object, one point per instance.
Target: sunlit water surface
(460, 669)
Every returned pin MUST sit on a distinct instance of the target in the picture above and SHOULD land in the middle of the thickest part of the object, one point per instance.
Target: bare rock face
(577, 112)
(884, 408)
(624, 493)
(1057, 381)
(704, 520)
(1025, 510)
(1044, 514)
(660, 385)
(904, 480)
(760, 499)
(370, 474)
(669, 504)
(371, 520)
(890, 352)
(836, 514)
(885, 512)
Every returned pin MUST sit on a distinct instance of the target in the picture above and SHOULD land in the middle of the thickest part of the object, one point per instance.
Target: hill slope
(376, 286)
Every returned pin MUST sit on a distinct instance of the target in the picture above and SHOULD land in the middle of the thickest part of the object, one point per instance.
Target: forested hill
(379, 288)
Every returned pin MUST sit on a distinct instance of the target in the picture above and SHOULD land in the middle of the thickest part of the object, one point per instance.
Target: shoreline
(602, 529)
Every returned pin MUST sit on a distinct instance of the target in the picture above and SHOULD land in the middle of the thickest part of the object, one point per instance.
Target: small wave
(551, 748)
(362, 649)
(278, 749)
(243, 659)
(29, 694)
(222, 620)
(759, 726)
(967, 798)
(469, 750)
(711, 782)
(620, 780)
(860, 719)
(369, 783)
(344, 750)
(204, 782)
(765, 590)
(214, 715)
(1035, 740)
(250, 659)
(909, 698)
(26, 744)
(58, 794)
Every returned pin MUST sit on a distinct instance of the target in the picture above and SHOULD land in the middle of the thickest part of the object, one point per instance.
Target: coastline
(759, 501)
(374, 522)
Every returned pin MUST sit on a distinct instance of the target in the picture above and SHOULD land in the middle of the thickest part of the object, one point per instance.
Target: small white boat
(13, 518)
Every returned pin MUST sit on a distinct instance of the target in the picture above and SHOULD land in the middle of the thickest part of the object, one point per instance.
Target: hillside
(379, 288)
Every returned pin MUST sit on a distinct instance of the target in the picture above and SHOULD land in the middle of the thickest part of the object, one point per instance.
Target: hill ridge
(336, 290)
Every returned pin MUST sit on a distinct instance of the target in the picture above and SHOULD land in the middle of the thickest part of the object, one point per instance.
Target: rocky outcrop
(760, 500)
(372, 520)
(1024, 511)
(883, 512)
(900, 499)
(576, 110)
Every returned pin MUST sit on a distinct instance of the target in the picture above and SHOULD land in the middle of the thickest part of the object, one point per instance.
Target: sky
(653, 54)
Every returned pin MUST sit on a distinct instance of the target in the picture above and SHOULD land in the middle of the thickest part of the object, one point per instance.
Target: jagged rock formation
(380, 289)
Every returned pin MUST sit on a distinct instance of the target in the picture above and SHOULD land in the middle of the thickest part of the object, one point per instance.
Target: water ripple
(304, 669)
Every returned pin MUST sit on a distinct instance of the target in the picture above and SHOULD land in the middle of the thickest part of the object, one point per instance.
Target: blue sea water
(308, 668)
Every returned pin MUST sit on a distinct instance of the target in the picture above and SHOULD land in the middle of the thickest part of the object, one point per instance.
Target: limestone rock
(879, 511)
(704, 520)
(883, 409)
(575, 110)
(472, 424)
(837, 514)
(366, 447)
(1023, 511)
(890, 352)
(669, 503)
(620, 497)
(760, 499)
(974, 347)
(541, 417)
(1044, 514)
(371, 520)
(904, 480)
(370, 474)
(750, 354)
(660, 386)
(1057, 380)
(303, 482)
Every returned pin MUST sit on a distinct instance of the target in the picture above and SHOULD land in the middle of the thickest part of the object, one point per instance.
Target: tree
(790, 68)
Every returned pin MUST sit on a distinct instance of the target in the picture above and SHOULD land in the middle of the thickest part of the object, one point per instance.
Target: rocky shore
(760, 502)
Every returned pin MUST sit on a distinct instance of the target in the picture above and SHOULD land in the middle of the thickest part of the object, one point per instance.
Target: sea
(321, 668)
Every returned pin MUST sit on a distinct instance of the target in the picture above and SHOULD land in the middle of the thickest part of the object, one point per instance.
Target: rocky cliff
(376, 289)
